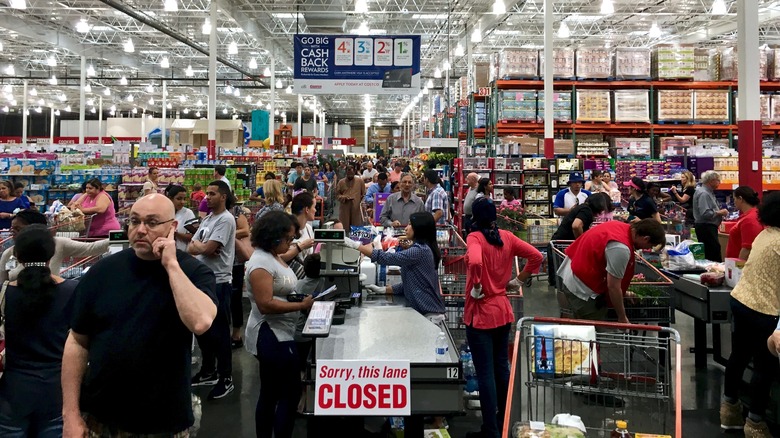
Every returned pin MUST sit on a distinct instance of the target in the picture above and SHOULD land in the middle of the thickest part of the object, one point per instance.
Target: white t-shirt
(306, 233)
(284, 282)
(183, 216)
(226, 181)
(369, 174)
(220, 228)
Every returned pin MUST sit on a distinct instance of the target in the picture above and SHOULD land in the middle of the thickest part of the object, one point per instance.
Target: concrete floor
(234, 415)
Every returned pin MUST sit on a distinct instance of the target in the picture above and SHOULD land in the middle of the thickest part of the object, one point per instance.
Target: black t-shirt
(688, 206)
(301, 184)
(138, 377)
(31, 383)
(581, 212)
(642, 208)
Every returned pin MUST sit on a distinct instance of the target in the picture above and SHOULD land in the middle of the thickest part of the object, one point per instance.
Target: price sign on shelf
(362, 388)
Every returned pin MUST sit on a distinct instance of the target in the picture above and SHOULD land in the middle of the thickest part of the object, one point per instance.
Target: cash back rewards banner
(345, 64)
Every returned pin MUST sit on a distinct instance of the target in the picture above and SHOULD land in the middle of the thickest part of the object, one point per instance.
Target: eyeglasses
(150, 224)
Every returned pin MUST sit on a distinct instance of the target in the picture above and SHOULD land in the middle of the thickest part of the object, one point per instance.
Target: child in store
(197, 194)
(509, 199)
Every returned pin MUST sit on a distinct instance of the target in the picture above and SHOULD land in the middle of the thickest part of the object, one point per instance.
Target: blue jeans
(31, 426)
(215, 343)
(491, 361)
(280, 385)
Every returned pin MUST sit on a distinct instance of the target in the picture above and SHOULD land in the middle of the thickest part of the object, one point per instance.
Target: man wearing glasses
(214, 245)
(126, 364)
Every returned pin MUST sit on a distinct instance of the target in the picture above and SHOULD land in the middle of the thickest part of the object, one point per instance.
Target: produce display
(711, 105)
(632, 106)
(593, 106)
(594, 63)
(674, 62)
(632, 63)
(675, 105)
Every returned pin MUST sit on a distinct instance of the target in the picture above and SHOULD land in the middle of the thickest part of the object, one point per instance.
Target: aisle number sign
(345, 64)
(360, 388)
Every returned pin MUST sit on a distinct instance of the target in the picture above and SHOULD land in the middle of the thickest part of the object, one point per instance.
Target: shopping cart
(79, 267)
(540, 230)
(72, 226)
(455, 305)
(599, 371)
(6, 240)
(649, 298)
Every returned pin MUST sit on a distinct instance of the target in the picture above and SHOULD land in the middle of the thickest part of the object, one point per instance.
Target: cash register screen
(329, 235)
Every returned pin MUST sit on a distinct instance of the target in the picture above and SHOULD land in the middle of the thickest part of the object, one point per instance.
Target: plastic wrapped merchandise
(561, 106)
(563, 63)
(674, 62)
(594, 63)
(632, 106)
(675, 105)
(711, 106)
(729, 64)
(518, 64)
(517, 105)
(775, 108)
(593, 106)
(632, 63)
(773, 57)
(707, 65)
(765, 103)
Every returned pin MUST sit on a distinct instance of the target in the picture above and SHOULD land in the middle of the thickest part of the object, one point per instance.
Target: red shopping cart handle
(604, 324)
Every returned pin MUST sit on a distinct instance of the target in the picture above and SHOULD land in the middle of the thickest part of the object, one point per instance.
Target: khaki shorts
(95, 429)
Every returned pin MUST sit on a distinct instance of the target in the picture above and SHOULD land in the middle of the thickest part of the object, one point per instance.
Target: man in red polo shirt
(599, 266)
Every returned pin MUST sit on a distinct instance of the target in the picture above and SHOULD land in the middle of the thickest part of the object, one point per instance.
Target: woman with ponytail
(37, 309)
(743, 234)
(488, 314)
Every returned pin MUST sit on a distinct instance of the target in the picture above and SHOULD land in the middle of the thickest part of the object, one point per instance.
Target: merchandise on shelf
(538, 209)
(712, 147)
(711, 105)
(632, 106)
(707, 65)
(773, 67)
(675, 105)
(534, 163)
(517, 64)
(632, 63)
(594, 63)
(632, 147)
(593, 106)
(590, 148)
(463, 119)
(514, 145)
(561, 146)
(561, 106)
(674, 62)
(676, 146)
(480, 115)
(765, 106)
(517, 105)
(563, 63)
(729, 64)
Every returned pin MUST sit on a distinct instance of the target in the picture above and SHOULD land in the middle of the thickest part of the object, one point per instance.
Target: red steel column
(749, 117)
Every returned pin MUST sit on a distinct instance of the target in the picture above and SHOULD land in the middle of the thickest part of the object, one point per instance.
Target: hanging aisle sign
(346, 64)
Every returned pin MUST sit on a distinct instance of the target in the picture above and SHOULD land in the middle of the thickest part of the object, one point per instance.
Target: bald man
(472, 180)
(126, 365)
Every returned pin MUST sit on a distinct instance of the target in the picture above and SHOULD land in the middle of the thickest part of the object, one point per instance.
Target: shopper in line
(37, 308)
(78, 195)
(572, 196)
(259, 194)
(214, 246)
(64, 248)
(472, 181)
(419, 263)
(219, 173)
(350, 192)
(328, 175)
(270, 329)
(9, 204)
(150, 186)
(274, 198)
(303, 208)
(197, 195)
(707, 215)
(755, 306)
(640, 205)
(380, 186)
(614, 191)
(306, 182)
(438, 202)
(369, 174)
(397, 172)
(98, 203)
(296, 171)
(484, 189)
(488, 314)
(184, 216)
(400, 206)
(243, 250)
(688, 184)
(19, 193)
(596, 183)
(744, 232)
(126, 364)
(599, 266)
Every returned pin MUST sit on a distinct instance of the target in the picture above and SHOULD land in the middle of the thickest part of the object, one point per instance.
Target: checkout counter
(379, 328)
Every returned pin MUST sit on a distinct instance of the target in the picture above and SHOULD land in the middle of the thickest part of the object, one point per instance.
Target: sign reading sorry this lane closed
(346, 387)
(346, 64)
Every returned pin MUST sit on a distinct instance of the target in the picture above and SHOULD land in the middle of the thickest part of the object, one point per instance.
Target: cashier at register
(419, 267)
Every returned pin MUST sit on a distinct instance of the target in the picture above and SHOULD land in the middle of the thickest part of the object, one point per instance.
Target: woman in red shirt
(488, 314)
(747, 228)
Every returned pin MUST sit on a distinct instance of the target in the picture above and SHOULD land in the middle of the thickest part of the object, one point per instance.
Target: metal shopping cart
(72, 227)
(599, 371)
(649, 298)
(79, 267)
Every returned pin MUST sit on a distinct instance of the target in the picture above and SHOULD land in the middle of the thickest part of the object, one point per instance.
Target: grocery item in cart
(535, 429)
(564, 350)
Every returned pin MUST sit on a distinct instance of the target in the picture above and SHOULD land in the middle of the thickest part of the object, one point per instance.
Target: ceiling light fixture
(199, 102)
(186, 111)
(67, 109)
(151, 101)
(171, 6)
(106, 91)
(607, 7)
(267, 72)
(93, 110)
(248, 99)
(206, 28)
(18, 4)
(476, 35)
(123, 81)
(41, 102)
(62, 98)
(90, 102)
(169, 106)
(135, 111)
(361, 6)
(182, 98)
(228, 89)
(429, 84)
(6, 109)
(164, 63)
(83, 26)
(279, 84)
(446, 65)
(189, 72)
(33, 92)
(719, 8)
(289, 89)
(53, 81)
(437, 73)
(130, 98)
(563, 31)
(232, 48)
(128, 46)
(57, 113)
(655, 31)
(10, 71)
(38, 110)
(459, 50)
(224, 111)
(150, 89)
(236, 92)
(499, 7)
(253, 63)
(90, 70)
(197, 114)
(363, 29)
(87, 88)
(52, 61)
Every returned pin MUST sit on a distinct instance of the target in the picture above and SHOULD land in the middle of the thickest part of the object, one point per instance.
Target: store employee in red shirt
(599, 266)
(743, 234)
